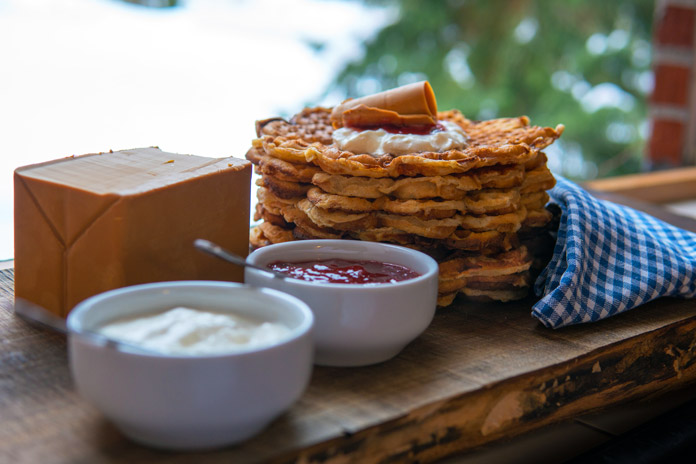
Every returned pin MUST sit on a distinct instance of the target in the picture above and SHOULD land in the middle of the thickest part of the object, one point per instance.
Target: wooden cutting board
(480, 373)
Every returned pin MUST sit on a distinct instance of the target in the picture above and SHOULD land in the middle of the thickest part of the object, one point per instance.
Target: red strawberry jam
(341, 271)
(415, 130)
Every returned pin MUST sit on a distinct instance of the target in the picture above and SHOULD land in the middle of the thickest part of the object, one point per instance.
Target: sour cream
(379, 142)
(194, 332)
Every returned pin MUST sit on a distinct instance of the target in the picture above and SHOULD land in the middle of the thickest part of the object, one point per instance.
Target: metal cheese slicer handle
(36, 314)
(219, 252)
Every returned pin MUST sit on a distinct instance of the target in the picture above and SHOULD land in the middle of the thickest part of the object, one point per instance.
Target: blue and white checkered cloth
(609, 259)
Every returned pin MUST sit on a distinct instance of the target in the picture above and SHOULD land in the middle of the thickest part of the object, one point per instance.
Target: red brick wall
(672, 106)
(676, 24)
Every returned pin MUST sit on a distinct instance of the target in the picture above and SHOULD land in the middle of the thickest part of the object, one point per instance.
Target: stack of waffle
(480, 211)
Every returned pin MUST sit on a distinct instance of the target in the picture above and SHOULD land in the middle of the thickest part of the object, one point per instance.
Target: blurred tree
(583, 63)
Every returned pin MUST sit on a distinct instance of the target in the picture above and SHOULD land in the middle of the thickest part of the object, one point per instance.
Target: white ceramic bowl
(356, 324)
(192, 402)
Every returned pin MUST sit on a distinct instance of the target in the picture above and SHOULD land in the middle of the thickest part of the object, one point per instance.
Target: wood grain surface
(672, 185)
(480, 373)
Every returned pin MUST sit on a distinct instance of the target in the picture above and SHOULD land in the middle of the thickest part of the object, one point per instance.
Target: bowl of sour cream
(200, 364)
(369, 299)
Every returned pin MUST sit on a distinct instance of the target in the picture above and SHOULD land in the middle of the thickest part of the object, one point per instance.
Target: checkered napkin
(609, 259)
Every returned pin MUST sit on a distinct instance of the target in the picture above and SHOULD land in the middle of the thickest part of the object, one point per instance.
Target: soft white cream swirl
(380, 142)
(195, 332)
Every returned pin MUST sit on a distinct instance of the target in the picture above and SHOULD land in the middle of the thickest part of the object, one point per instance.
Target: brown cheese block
(93, 223)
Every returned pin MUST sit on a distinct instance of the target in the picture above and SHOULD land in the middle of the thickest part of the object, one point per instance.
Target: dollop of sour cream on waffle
(446, 136)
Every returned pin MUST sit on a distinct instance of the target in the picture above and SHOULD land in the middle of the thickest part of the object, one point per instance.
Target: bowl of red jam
(369, 299)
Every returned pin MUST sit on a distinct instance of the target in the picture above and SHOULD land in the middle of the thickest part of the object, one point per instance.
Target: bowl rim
(433, 267)
(75, 324)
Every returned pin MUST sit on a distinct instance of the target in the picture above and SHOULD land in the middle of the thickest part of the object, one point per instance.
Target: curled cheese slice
(408, 105)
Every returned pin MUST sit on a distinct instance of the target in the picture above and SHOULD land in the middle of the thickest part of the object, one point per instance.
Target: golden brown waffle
(282, 170)
(274, 203)
(459, 239)
(322, 223)
(498, 277)
(535, 200)
(266, 233)
(347, 204)
(480, 275)
(467, 208)
(502, 282)
(490, 240)
(509, 222)
(412, 224)
(537, 180)
(483, 296)
(285, 189)
(496, 142)
(497, 132)
(468, 265)
(261, 213)
(305, 228)
(537, 218)
(257, 239)
(433, 228)
(335, 161)
(454, 187)
(311, 124)
(492, 201)
(336, 219)
(255, 154)
(539, 160)
(489, 201)
(422, 209)
(390, 235)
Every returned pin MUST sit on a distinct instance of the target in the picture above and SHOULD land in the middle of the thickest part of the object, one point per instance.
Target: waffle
(274, 203)
(262, 213)
(485, 296)
(285, 189)
(283, 170)
(349, 204)
(454, 187)
(490, 240)
(537, 180)
(463, 266)
(506, 141)
(502, 282)
(498, 277)
(311, 124)
(266, 234)
(534, 200)
(423, 209)
(305, 228)
(537, 218)
(481, 202)
(480, 211)
(336, 219)
(413, 224)
(290, 216)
